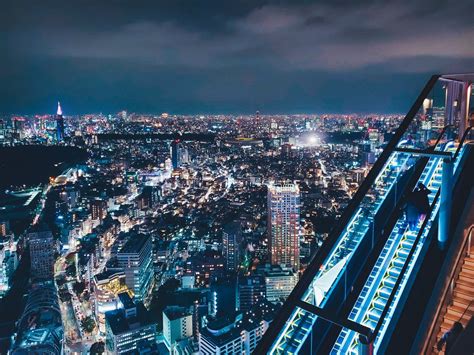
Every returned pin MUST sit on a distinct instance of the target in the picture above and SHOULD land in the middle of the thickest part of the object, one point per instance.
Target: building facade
(107, 286)
(135, 258)
(42, 254)
(283, 203)
(236, 335)
(251, 290)
(128, 329)
(177, 325)
(279, 282)
(231, 239)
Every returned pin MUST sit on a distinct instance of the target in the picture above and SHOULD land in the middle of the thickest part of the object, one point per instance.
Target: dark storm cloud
(189, 56)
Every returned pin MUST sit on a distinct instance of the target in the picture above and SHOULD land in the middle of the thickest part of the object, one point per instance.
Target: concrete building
(42, 254)
(238, 334)
(177, 324)
(106, 287)
(231, 239)
(279, 281)
(251, 290)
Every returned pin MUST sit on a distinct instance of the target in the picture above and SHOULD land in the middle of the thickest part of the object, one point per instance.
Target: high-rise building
(135, 258)
(177, 324)
(42, 250)
(129, 329)
(59, 124)
(175, 153)
(231, 239)
(283, 224)
(251, 290)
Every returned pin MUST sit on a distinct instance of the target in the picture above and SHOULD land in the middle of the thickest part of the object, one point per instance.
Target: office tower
(98, 209)
(251, 291)
(59, 124)
(175, 153)
(129, 329)
(40, 329)
(283, 224)
(42, 250)
(231, 239)
(279, 281)
(177, 324)
(135, 258)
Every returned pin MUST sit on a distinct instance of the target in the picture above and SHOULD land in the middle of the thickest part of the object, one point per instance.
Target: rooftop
(135, 244)
(119, 323)
(176, 312)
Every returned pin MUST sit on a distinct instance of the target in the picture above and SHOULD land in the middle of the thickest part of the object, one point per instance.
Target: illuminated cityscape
(245, 178)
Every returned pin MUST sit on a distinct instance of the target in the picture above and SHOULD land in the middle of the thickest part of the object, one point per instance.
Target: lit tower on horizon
(283, 205)
(59, 124)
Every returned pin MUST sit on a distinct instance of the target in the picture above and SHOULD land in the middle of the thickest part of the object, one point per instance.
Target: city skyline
(248, 177)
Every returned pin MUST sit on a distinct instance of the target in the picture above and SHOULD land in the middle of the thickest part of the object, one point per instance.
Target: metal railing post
(445, 204)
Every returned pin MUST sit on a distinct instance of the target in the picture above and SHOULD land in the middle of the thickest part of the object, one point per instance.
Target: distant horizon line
(207, 114)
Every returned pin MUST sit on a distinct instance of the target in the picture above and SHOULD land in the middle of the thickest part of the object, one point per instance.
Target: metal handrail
(444, 304)
(298, 291)
(412, 250)
(463, 313)
(441, 135)
(404, 268)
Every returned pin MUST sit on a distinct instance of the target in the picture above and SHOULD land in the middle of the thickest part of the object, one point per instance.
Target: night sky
(227, 56)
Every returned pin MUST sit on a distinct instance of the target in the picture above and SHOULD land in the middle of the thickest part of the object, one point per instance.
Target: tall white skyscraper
(283, 205)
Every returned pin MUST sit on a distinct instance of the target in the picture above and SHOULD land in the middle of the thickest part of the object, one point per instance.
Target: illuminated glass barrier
(379, 285)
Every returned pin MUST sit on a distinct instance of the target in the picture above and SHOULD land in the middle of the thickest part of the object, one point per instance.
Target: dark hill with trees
(34, 164)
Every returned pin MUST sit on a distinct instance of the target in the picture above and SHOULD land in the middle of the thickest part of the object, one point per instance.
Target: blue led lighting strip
(381, 281)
